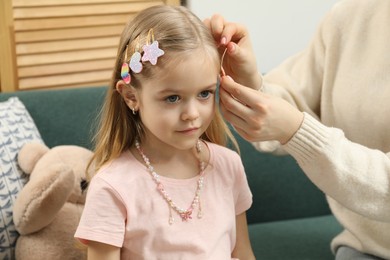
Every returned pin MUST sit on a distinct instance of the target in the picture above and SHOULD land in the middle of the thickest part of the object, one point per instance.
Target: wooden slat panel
(76, 78)
(87, 84)
(81, 10)
(71, 22)
(7, 53)
(61, 57)
(172, 2)
(69, 45)
(64, 34)
(27, 3)
(75, 85)
(65, 68)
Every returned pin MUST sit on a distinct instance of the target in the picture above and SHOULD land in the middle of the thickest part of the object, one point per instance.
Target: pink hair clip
(151, 51)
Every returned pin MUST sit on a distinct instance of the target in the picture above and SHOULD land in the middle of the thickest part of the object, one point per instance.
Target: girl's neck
(171, 162)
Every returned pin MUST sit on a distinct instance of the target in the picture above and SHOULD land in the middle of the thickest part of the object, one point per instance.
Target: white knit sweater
(342, 82)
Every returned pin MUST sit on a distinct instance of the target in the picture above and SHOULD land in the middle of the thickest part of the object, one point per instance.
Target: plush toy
(48, 208)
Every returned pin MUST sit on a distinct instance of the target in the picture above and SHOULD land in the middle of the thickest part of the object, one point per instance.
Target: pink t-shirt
(125, 209)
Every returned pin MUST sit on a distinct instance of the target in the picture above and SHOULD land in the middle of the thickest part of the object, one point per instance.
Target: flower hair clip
(151, 52)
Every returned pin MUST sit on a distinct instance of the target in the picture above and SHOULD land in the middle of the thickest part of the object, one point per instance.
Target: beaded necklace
(185, 215)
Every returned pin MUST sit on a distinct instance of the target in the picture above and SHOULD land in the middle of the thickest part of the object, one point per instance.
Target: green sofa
(289, 218)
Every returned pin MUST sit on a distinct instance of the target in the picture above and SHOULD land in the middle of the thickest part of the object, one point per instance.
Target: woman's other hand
(257, 116)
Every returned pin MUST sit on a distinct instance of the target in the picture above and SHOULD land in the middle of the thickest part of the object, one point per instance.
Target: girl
(165, 188)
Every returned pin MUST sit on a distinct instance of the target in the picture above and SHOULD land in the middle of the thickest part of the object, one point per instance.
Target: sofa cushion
(16, 128)
(303, 239)
(63, 116)
(280, 188)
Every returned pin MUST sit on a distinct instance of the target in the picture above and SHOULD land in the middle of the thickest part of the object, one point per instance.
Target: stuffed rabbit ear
(30, 154)
(40, 200)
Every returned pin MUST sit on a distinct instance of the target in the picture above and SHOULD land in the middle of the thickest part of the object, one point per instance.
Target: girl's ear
(128, 93)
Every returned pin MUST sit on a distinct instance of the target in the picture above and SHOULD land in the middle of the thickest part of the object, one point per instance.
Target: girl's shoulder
(220, 149)
(219, 153)
(227, 161)
(123, 167)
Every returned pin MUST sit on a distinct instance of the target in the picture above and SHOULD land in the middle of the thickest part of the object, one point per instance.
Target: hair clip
(125, 69)
(135, 62)
(222, 70)
(151, 51)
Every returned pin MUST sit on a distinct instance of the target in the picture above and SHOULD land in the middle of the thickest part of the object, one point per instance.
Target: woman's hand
(257, 116)
(239, 61)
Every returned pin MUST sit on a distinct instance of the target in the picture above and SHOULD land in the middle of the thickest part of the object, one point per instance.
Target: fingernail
(231, 48)
(230, 78)
(223, 40)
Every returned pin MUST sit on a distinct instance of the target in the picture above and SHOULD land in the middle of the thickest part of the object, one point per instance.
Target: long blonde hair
(177, 31)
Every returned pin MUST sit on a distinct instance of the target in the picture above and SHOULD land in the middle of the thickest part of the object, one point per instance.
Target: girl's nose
(190, 112)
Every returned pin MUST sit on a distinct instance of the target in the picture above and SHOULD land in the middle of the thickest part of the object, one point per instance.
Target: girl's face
(177, 108)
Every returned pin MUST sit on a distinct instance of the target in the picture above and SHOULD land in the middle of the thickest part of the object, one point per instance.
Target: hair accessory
(151, 51)
(135, 62)
(223, 56)
(125, 70)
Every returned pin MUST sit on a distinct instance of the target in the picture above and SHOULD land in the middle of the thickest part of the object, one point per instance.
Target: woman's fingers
(243, 133)
(243, 118)
(240, 61)
(245, 95)
(216, 25)
(259, 117)
(223, 31)
(234, 32)
(231, 108)
(235, 107)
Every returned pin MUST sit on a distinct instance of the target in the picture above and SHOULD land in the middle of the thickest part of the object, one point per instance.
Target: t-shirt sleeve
(242, 192)
(104, 215)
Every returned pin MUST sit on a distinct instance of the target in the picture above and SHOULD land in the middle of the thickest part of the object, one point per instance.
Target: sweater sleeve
(354, 175)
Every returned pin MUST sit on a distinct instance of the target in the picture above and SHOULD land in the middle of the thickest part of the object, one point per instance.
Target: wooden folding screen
(62, 43)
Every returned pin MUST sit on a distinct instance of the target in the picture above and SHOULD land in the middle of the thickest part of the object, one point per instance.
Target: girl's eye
(172, 99)
(205, 94)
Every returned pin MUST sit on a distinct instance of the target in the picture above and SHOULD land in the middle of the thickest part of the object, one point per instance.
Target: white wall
(278, 28)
